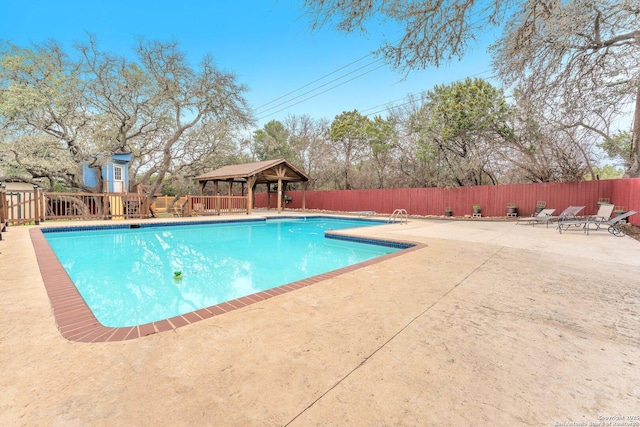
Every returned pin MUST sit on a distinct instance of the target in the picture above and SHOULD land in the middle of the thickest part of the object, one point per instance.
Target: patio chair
(569, 213)
(603, 214)
(540, 216)
(613, 224)
(178, 209)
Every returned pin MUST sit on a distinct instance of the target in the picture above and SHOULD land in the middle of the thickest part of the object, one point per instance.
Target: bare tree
(187, 98)
(562, 50)
(311, 147)
(434, 31)
(582, 55)
(544, 147)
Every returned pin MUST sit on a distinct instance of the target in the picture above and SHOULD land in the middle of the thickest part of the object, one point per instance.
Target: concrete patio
(489, 323)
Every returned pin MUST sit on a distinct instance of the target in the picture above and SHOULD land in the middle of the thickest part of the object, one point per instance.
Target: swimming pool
(126, 275)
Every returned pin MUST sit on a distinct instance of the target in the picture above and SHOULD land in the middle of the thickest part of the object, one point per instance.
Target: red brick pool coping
(76, 321)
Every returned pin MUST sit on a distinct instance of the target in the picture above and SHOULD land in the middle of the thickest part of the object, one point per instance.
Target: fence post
(43, 207)
(36, 205)
(105, 206)
(3, 209)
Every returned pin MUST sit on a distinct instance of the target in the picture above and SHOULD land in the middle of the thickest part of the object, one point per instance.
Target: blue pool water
(126, 275)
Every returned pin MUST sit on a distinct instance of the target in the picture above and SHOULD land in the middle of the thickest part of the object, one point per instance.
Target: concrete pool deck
(488, 323)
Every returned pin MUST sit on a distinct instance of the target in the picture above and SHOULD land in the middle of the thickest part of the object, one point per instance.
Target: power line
(262, 112)
(321, 86)
(320, 93)
(258, 112)
(287, 103)
(315, 81)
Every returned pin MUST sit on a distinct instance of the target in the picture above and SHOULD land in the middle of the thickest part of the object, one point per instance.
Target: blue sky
(267, 44)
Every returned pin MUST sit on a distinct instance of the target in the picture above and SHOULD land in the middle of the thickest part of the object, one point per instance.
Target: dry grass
(633, 231)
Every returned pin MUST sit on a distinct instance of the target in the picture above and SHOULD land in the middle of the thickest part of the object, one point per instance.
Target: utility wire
(322, 85)
(386, 106)
(315, 81)
(258, 112)
(320, 93)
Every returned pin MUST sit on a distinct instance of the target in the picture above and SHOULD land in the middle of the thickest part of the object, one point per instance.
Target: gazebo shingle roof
(264, 172)
(251, 174)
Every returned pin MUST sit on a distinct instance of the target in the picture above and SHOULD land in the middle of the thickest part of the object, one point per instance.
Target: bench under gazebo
(248, 175)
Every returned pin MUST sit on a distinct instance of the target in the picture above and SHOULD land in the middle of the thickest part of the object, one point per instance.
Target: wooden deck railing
(3, 210)
(96, 206)
(26, 207)
(214, 205)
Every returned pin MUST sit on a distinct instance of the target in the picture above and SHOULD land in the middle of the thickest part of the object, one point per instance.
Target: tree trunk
(634, 160)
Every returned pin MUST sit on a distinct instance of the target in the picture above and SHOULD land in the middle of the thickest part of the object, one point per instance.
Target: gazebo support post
(304, 195)
(251, 183)
(216, 193)
(279, 195)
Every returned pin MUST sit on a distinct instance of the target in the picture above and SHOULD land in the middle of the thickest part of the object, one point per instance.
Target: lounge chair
(603, 214)
(613, 224)
(570, 213)
(539, 217)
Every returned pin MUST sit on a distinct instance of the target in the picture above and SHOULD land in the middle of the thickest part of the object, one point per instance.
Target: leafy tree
(191, 101)
(170, 115)
(272, 142)
(383, 140)
(46, 123)
(618, 147)
(608, 172)
(460, 125)
(349, 134)
(417, 163)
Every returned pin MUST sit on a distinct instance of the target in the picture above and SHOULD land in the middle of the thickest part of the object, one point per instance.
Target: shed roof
(264, 172)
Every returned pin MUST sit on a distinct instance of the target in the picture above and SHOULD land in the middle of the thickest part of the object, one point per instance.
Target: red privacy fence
(493, 199)
(18, 207)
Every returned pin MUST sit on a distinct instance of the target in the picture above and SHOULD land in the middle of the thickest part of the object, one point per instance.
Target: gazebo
(251, 174)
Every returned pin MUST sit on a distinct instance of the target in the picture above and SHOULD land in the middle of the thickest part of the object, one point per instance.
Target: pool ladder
(399, 214)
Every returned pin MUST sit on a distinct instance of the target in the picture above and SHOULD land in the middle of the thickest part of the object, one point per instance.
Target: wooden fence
(493, 199)
(20, 207)
(4, 213)
(214, 205)
(96, 206)
(26, 207)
